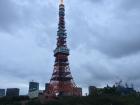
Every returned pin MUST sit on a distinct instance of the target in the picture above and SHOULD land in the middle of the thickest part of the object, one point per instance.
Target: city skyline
(104, 42)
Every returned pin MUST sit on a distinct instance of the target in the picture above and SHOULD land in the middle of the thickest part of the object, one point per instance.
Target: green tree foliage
(12, 100)
(87, 100)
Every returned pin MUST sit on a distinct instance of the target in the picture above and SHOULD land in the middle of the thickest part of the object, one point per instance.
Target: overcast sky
(103, 37)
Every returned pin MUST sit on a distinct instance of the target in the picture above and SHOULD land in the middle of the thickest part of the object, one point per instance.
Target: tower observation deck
(61, 82)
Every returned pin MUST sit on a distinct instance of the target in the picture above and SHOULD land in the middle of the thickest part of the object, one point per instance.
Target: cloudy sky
(103, 37)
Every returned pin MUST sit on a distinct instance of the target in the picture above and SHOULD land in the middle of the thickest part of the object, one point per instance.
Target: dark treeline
(87, 100)
(116, 95)
(13, 100)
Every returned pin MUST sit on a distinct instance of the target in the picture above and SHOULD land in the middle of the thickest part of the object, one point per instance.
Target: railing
(61, 50)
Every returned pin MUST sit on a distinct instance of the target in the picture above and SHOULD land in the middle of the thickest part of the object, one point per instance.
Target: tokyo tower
(61, 82)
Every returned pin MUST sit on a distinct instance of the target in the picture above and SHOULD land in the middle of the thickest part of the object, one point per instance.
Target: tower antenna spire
(61, 1)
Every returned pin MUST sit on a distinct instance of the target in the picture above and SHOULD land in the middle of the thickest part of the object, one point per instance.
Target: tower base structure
(67, 91)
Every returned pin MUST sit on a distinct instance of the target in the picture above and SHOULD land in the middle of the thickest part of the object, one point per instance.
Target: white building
(33, 89)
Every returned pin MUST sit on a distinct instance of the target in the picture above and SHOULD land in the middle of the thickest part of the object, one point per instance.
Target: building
(92, 89)
(79, 90)
(12, 92)
(46, 86)
(2, 92)
(33, 89)
(117, 89)
(61, 82)
(125, 90)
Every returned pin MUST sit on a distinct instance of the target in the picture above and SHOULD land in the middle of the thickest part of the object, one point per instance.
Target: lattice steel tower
(61, 82)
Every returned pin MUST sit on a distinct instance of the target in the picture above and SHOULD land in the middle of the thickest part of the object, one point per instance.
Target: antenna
(61, 1)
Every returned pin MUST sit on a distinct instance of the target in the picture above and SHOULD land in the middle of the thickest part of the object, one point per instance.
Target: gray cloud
(8, 14)
(130, 4)
(113, 30)
(103, 37)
